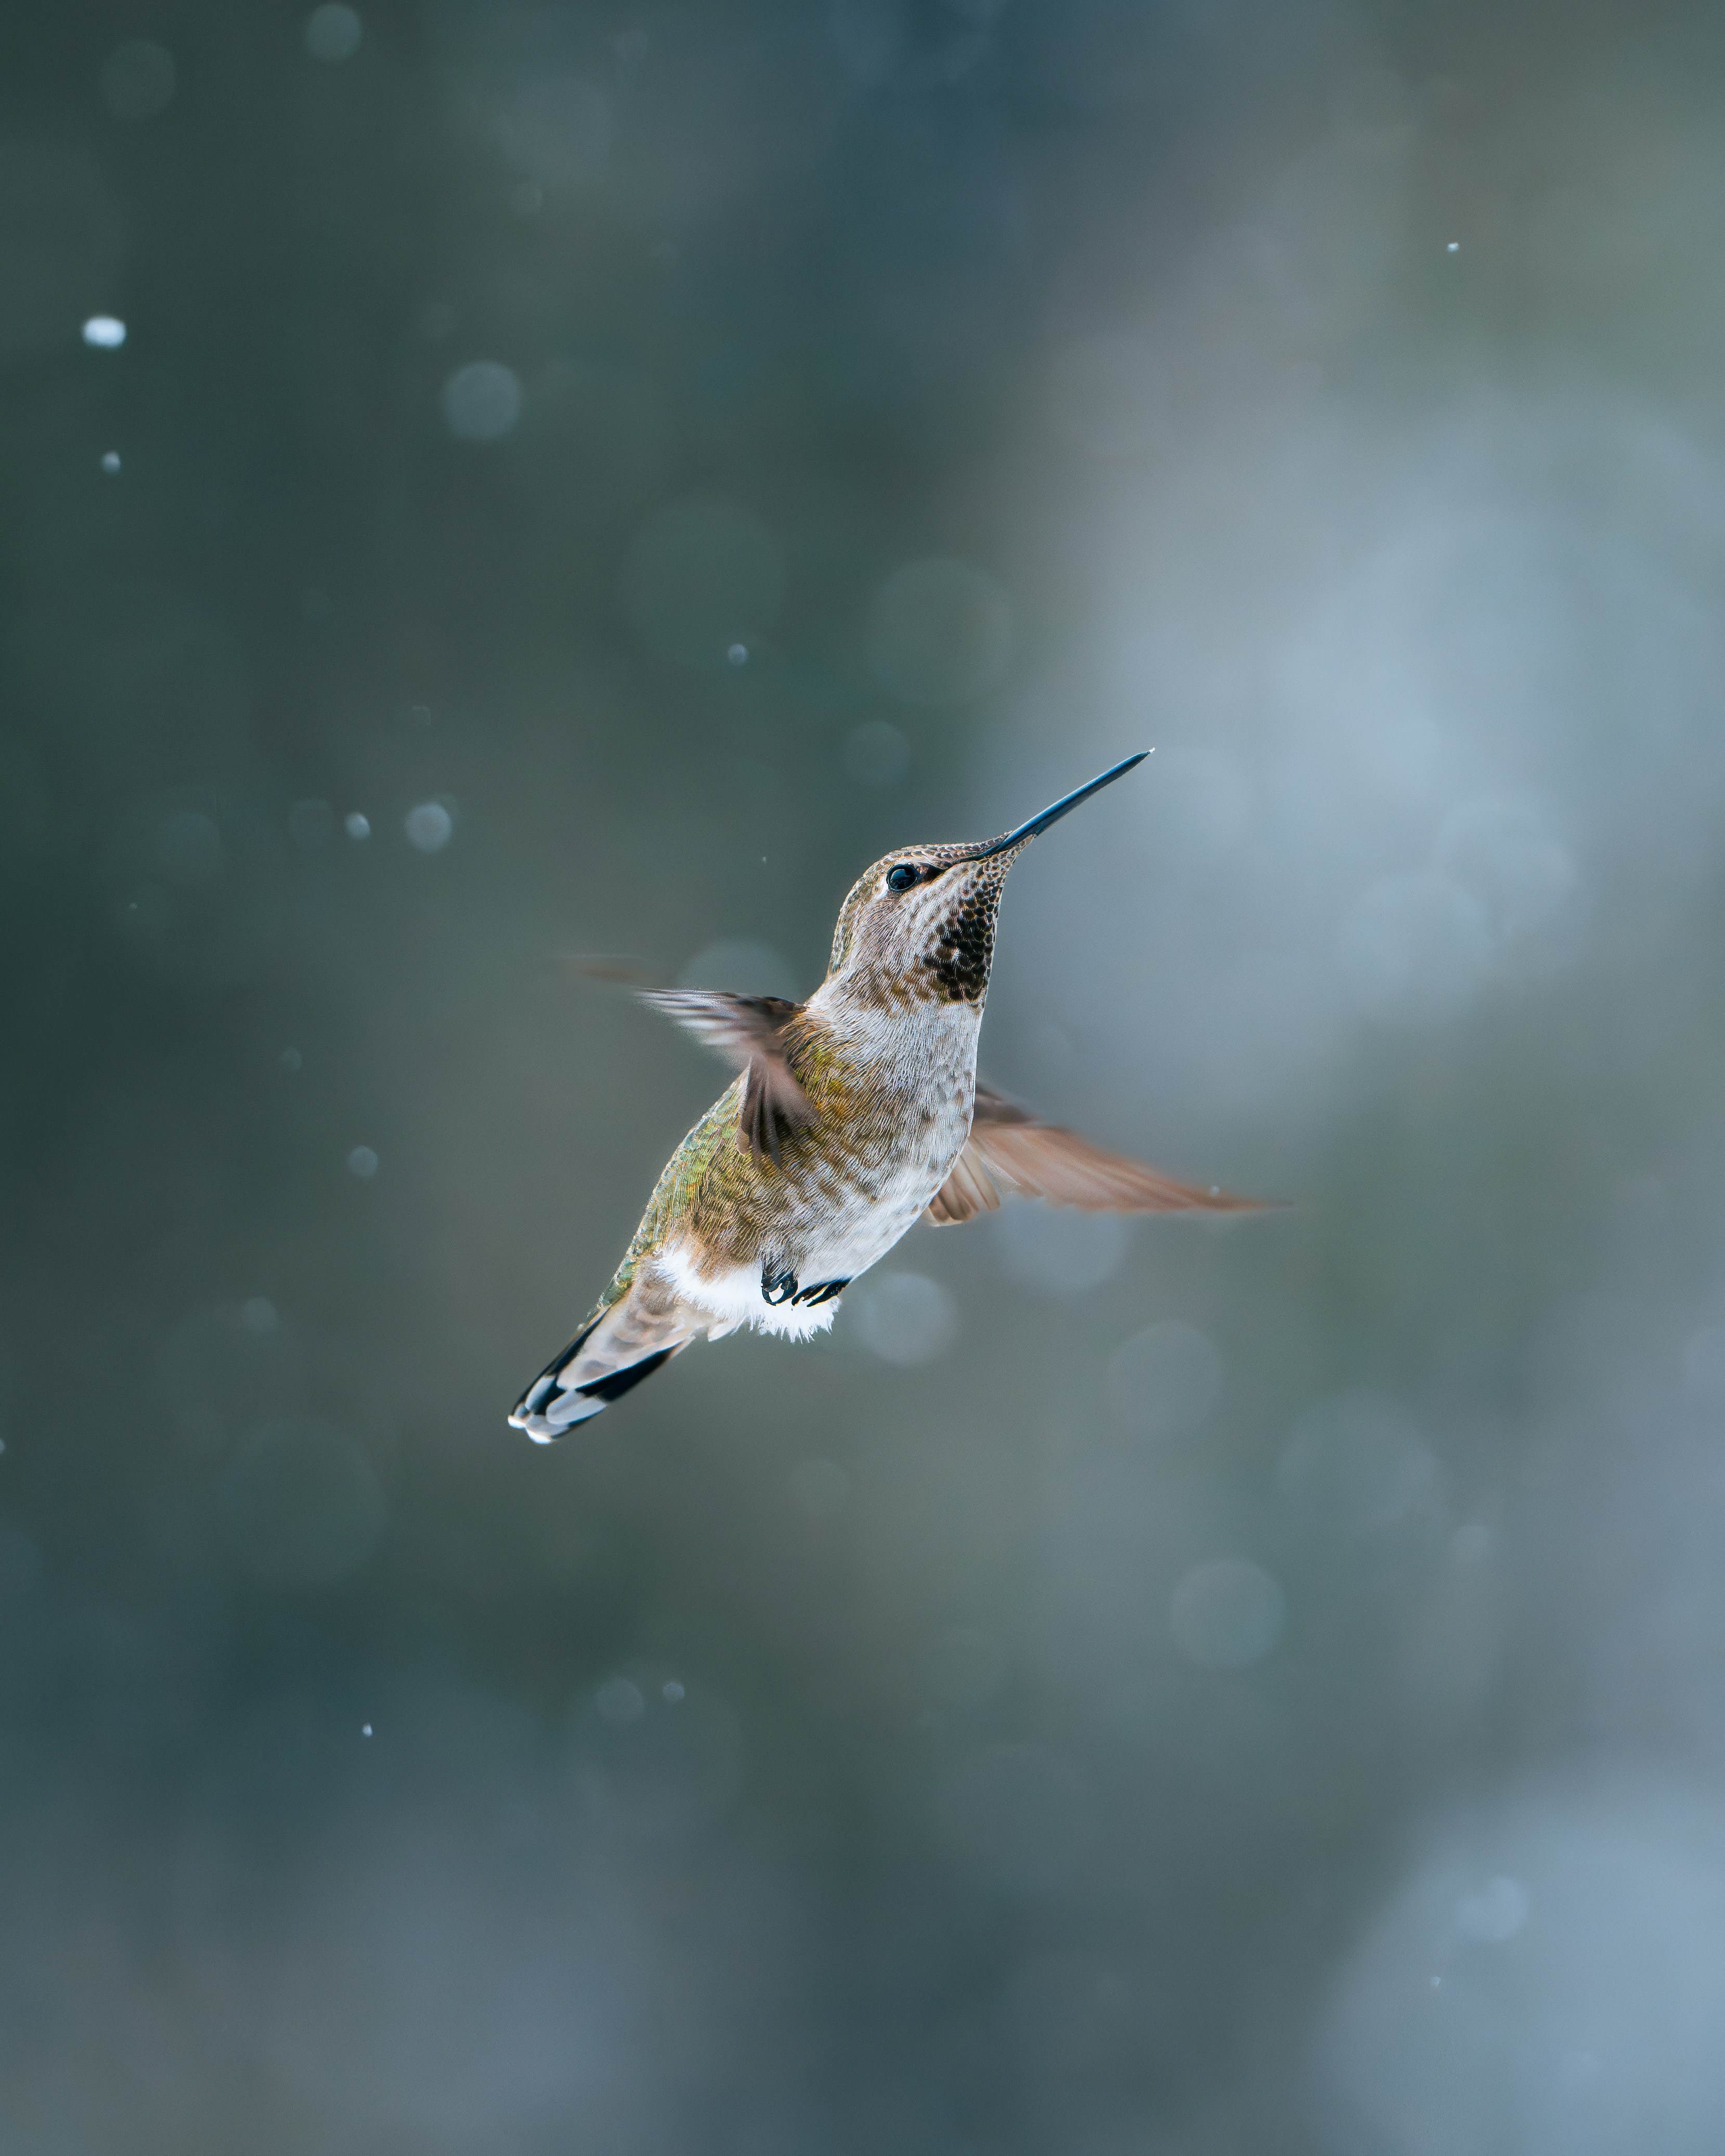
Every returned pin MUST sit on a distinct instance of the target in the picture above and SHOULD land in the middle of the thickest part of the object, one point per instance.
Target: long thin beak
(1053, 815)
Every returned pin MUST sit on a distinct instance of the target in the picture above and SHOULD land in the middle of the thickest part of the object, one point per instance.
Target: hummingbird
(850, 1116)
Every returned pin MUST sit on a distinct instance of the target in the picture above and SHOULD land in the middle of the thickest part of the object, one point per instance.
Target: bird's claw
(821, 1291)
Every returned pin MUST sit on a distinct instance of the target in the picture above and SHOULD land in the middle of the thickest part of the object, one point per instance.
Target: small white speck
(258, 1316)
(364, 1729)
(110, 460)
(292, 1059)
(1437, 1983)
(106, 332)
(2, 1445)
(738, 654)
(673, 1692)
(362, 1162)
(357, 826)
(1454, 247)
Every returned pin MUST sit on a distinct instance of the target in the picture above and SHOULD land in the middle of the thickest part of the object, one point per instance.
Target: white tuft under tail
(718, 1302)
(638, 1333)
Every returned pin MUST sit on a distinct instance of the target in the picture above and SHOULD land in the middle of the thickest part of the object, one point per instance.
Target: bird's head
(919, 926)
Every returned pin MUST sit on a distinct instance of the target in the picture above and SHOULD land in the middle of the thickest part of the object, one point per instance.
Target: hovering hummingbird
(851, 1116)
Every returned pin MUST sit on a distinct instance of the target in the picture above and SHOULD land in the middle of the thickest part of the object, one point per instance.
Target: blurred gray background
(484, 482)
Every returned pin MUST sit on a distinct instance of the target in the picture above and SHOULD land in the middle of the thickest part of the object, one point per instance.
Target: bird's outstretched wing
(1011, 1150)
(748, 1033)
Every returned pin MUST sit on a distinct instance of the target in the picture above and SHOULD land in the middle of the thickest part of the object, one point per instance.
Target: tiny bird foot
(821, 1291)
(777, 1287)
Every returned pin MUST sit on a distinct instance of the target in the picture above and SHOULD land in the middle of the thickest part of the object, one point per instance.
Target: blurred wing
(748, 1033)
(1011, 1150)
(596, 966)
(968, 1190)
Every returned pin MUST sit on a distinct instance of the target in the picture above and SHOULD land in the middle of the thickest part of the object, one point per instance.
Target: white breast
(925, 1059)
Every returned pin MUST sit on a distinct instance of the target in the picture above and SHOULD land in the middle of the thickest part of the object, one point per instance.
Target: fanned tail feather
(612, 1353)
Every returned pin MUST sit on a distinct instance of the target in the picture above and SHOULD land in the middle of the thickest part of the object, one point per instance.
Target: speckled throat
(937, 943)
(918, 927)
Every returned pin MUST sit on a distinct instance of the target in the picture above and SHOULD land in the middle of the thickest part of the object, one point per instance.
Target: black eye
(900, 877)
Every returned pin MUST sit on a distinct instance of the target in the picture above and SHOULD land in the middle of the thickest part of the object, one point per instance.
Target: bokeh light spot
(333, 32)
(1493, 1913)
(481, 400)
(1057, 1253)
(1355, 1463)
(618, 1699)
(905, 1318)
(1165, 1381)
(430, 827)
(1506, 854)
(1415, 948)
(138, 80)
(1227, 1614)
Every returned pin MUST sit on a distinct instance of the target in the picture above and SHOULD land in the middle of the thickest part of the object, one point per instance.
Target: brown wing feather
(737, 1028)
(748, 1033)
(968, 1190)
(1010, 1148)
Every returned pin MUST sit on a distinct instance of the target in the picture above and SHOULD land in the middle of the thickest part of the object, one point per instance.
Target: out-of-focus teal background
(484, 482)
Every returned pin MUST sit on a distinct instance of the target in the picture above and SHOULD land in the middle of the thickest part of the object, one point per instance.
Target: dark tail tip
(620, 1382)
